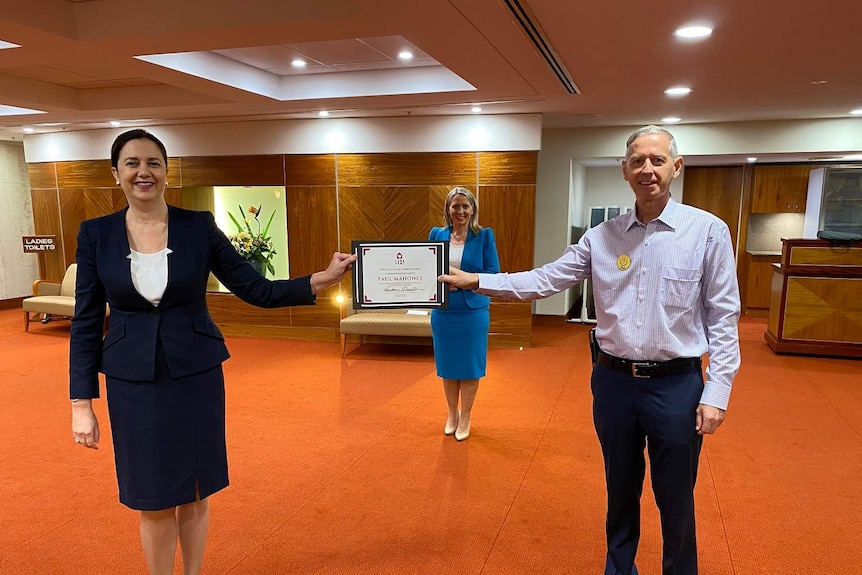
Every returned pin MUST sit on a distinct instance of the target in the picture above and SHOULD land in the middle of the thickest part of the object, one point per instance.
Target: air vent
(529, 25)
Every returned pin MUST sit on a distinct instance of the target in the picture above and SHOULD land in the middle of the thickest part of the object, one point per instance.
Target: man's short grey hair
(652, 129)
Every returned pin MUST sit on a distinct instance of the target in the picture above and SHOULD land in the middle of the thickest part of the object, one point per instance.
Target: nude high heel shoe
(462, 432)
(451, 427)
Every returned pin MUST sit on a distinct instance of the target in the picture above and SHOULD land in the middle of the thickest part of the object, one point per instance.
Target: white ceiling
(77, 61)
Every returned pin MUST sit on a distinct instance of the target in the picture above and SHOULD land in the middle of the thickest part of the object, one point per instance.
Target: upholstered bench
(53, 300)
(384, 322)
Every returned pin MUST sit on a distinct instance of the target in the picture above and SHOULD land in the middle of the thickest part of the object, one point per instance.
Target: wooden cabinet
(756, 279)
(817, 300)
(760, 281)
(718, 190)
(780, 189)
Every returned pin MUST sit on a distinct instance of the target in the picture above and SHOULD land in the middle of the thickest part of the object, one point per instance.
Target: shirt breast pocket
(680, 287)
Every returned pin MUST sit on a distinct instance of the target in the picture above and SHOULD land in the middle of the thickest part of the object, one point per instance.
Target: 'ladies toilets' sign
(39, 244)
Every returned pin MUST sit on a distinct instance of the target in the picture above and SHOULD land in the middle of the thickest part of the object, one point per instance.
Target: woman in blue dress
(460, 333)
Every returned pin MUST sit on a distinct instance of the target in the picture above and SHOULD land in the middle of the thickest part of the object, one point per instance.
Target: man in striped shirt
(664, 281)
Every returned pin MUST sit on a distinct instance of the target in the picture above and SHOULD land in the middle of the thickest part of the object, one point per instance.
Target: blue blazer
(480, 256)
(181, 321)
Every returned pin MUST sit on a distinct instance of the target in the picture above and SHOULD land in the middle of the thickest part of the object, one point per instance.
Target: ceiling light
(678, 91)
(405, 55)
(298, 63)
(693, 32)
(323, 113)
(819, 82)
(16, 111)
(671, 120)
(857, 112)
(751, 160)
(28, 130)
(115, 123)
(476, 109)
(4, 45)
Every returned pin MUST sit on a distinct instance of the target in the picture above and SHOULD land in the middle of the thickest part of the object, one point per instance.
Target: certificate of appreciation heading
(399, 274)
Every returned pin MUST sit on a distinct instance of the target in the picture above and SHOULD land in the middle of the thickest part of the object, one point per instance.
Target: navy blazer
(480, 256)
(181, 321)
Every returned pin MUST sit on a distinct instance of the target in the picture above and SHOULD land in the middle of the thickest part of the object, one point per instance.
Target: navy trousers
(658, 414)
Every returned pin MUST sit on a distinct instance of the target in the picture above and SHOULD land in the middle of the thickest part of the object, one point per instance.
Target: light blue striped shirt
(678, 296)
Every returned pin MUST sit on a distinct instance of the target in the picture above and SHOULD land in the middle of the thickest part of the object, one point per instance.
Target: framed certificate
(400, 274)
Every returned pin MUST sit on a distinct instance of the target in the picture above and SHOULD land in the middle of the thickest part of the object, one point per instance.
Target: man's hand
(708, 418)
(460, 279)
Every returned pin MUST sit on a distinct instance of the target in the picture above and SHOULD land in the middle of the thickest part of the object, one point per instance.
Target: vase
(259, 266)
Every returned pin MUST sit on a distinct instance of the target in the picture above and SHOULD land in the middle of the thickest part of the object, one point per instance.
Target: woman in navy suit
(162, 354)
(460, 333)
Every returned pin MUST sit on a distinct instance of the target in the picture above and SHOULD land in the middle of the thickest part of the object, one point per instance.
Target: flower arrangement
(257, 246)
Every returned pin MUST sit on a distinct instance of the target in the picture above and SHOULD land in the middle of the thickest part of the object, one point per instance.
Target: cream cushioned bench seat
(387, 322)
(53, 299)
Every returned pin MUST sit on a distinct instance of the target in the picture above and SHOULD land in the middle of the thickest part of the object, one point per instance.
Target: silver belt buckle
(638, 364)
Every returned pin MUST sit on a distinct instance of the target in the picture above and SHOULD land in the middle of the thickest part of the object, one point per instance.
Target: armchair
(52, 299)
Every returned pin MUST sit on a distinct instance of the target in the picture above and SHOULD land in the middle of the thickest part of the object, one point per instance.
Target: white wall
(18, 270)
(322, 136)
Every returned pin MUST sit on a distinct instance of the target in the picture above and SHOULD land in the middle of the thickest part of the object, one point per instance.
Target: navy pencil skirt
(169, 437)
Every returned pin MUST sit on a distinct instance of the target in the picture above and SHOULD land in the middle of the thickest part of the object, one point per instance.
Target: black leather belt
(647, 369)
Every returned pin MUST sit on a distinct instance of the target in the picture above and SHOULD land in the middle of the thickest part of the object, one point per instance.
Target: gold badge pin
(623, 262)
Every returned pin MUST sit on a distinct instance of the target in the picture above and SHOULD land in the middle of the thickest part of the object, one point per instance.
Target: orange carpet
(340, 466)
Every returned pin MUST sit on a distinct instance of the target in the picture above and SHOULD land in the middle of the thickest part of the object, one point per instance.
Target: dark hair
(137, 134)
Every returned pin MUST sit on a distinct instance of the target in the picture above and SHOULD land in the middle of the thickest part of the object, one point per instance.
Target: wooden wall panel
(324, 314)
(42, 175)
(436, 203)
(46, 220)
(361, 215)
(98, 202)
(511, 212)
(119, 199)
(175, 173)
(388, 213)
(174, 196)
(310, 170)
(407, 169)
(717, 190)
(201, 199)
(232, 171)
(312, 231)
(508, 168)
(71, 215)
(229, 309)
(85, 174)
(512, 317)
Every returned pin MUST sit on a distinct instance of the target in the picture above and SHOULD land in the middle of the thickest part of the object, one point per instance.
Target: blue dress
(460, 333)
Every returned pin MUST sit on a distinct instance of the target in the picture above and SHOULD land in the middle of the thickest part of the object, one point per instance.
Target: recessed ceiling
(333, 69)
(77, 61)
